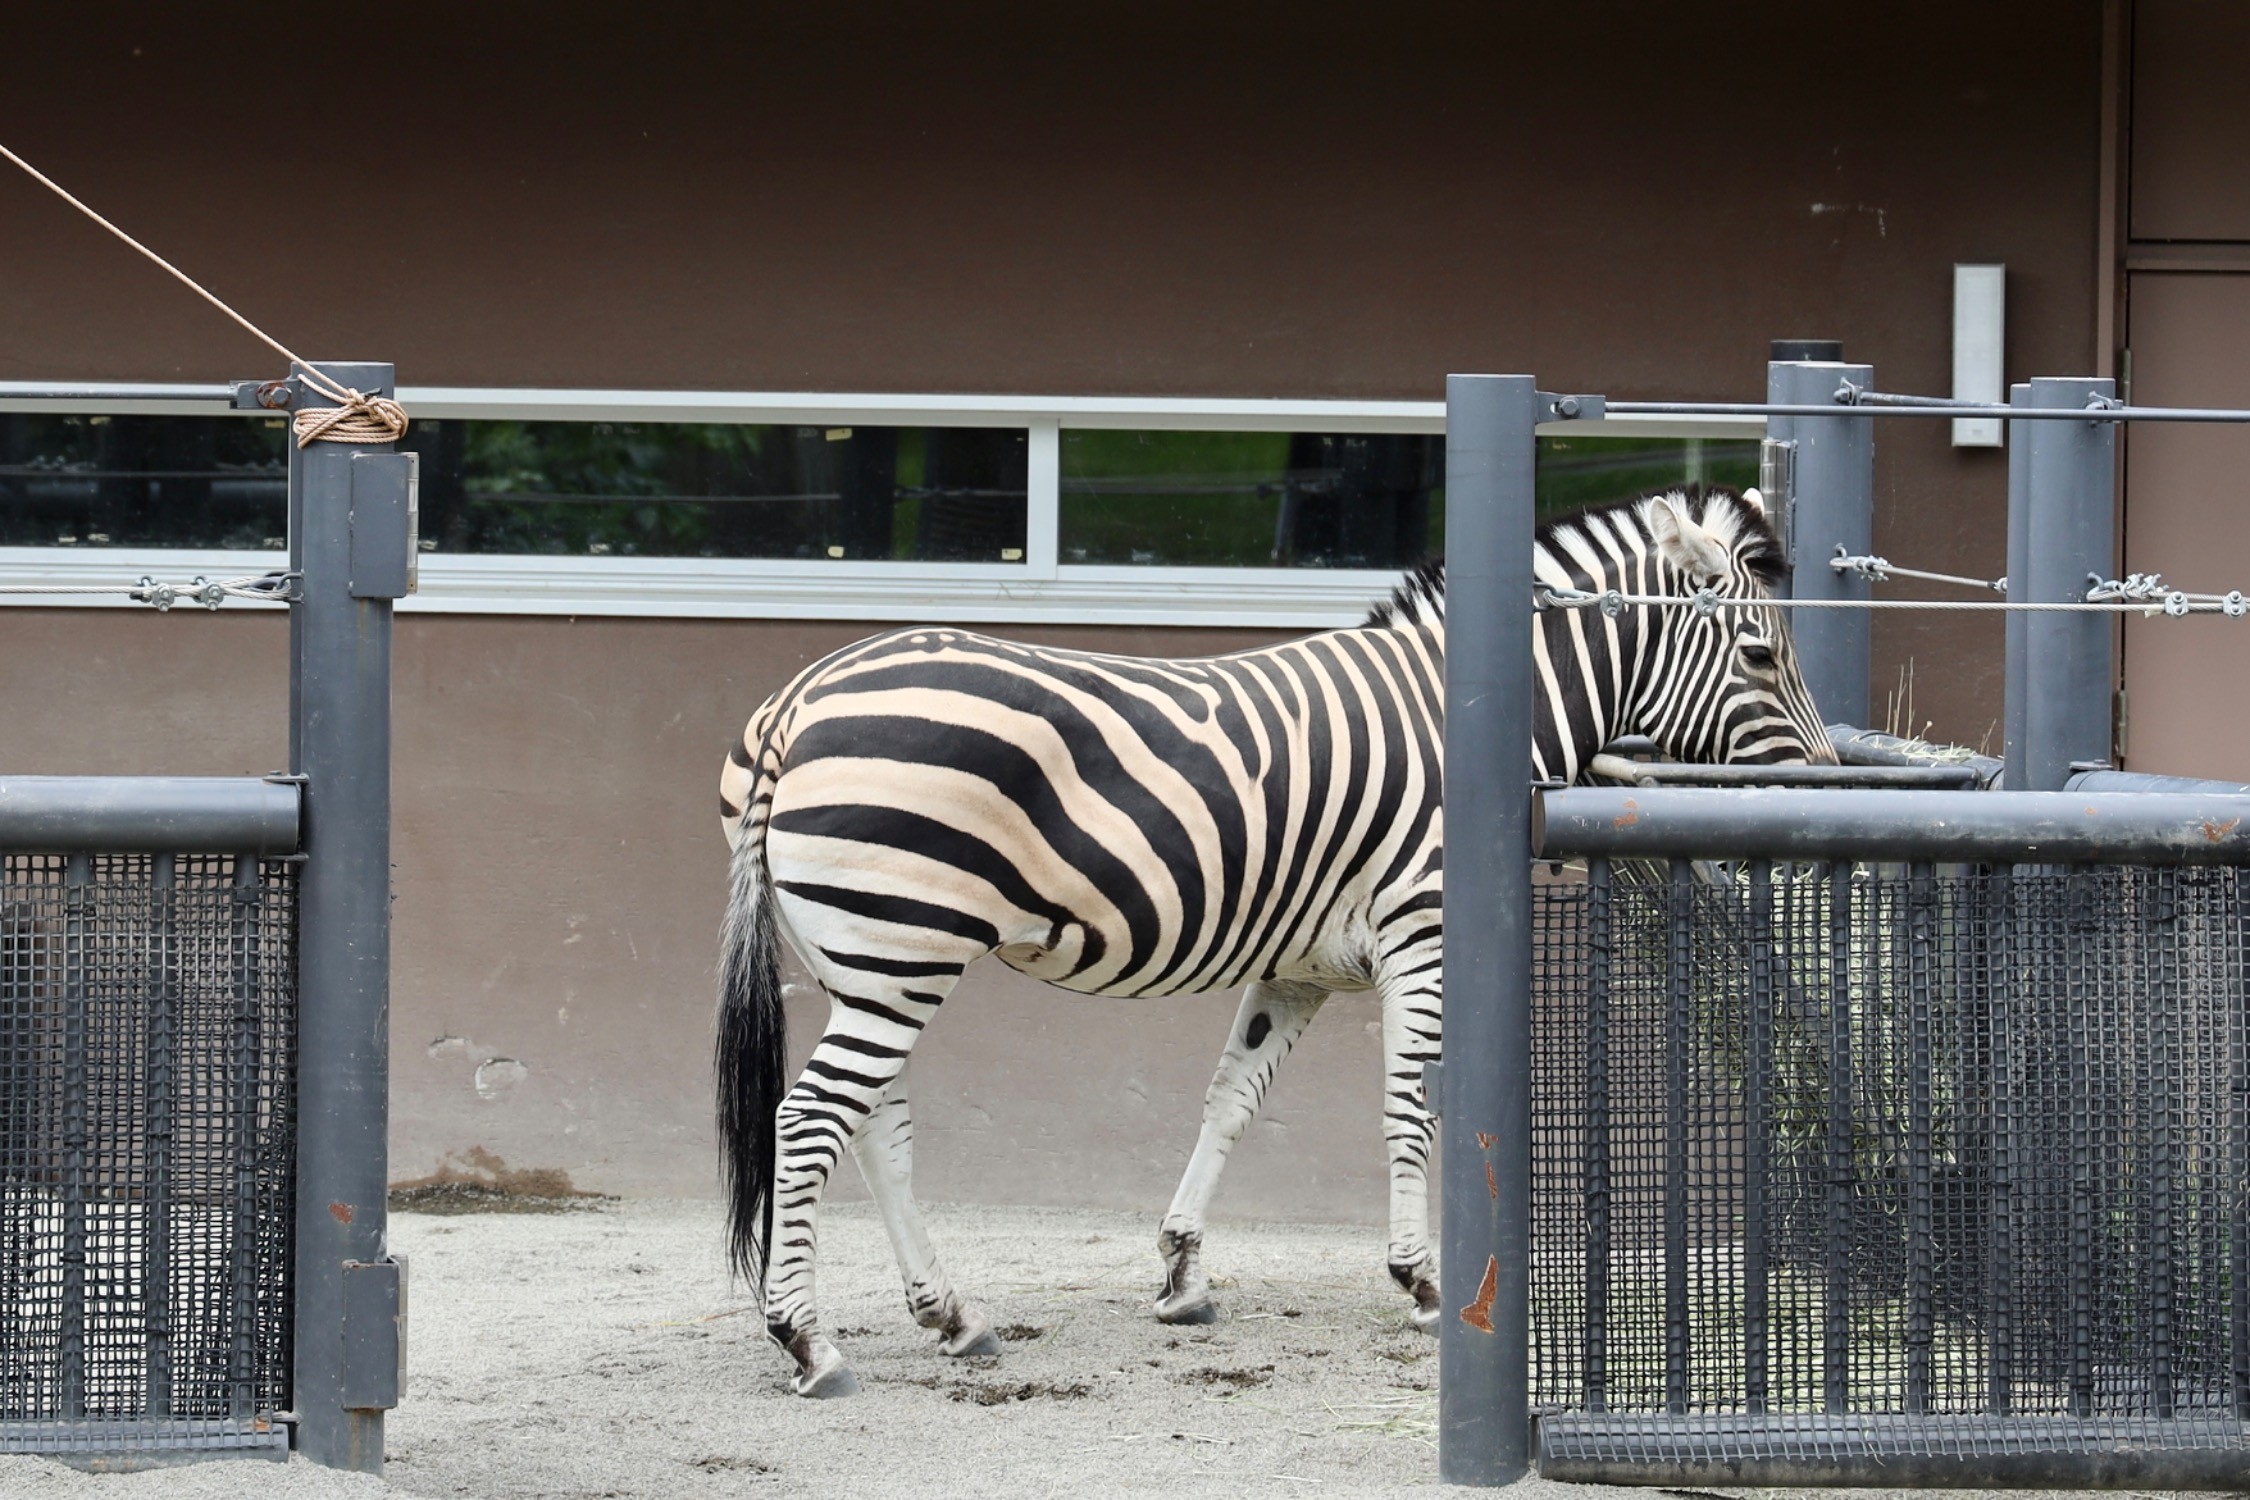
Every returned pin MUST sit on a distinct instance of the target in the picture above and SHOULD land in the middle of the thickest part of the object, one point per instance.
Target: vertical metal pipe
(2238, 1094)
(1921, 921)
(2019, 589)
(2000, 1245)
(159, 1076)
(1836, 1332)
(1679, 980)
(1757, 1144)
(340, 706)
(2069, 659)
(2080, 1102)
(242, 1084)
(2160, 926)
(1594, 1360)
(1484, 1408)
(78, 877)
(1834, 508)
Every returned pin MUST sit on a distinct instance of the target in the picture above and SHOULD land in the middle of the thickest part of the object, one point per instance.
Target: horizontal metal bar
(2015, 413)
(97, 392)
(180, 814)
(2143, 781)
(1674, 773)
(118, 1445)
(1952, 1452)
(1872, 747)
(1848, 824)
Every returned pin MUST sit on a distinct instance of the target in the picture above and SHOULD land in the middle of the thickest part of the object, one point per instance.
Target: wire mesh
(1958, 1154)
(147, 1039)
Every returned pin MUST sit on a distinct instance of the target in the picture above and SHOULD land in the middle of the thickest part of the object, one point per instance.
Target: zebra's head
(1720, 684)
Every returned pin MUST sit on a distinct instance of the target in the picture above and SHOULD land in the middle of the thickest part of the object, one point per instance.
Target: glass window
(649, 489)
(679, 489)
(68, 481)
(1328, 500)
(1251, 499)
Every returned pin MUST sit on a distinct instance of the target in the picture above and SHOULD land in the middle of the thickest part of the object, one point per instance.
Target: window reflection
(1327, 500)
(68, 481)
(649, 489)
(677, 489)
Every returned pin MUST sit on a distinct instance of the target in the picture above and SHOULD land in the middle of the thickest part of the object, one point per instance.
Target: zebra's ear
(1686, 546)
(1754, 500)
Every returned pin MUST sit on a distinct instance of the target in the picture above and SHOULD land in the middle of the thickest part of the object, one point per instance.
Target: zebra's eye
(1758, 656)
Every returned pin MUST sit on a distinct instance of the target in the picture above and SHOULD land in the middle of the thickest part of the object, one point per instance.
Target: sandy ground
(604, 1353)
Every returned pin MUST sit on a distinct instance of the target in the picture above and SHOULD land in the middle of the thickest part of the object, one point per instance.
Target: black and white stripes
(1128, 827)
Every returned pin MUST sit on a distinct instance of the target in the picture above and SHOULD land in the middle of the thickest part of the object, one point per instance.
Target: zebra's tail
(753, 1046)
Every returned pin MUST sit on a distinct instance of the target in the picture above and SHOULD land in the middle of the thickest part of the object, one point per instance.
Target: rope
(273, 588)
(355, 418)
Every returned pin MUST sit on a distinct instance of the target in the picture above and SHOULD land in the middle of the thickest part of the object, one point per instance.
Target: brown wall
(1308, 200)
(1314, 200)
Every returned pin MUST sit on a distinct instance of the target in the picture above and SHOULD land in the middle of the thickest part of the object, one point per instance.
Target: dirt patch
(723, 1463)
(1240, 1380)
(1000, 1393)
(480, 1182)
(1020, 1333)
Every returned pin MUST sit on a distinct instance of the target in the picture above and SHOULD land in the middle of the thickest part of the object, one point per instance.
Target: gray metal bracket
(386, 524)
(374, 1333)
(1560, 408)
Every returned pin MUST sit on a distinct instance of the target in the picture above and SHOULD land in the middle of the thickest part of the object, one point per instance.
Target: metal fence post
(340, 741)
(1484, 1410)
(2019, 587)
(2070, 537)
(1833, 505)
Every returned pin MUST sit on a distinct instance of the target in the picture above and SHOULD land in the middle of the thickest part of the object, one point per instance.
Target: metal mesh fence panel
(147, 1023)
(1840, 1161)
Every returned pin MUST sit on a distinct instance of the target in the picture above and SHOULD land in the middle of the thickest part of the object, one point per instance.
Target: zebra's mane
(1740, 526)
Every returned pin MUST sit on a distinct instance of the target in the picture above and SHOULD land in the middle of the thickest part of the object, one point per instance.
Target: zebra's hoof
(970, 1336)
(984, 1345)
(1198, 1310)
(1426, 1317)
(828, 1377)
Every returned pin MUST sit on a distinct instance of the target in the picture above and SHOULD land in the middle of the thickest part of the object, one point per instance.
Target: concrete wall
(1313, 200)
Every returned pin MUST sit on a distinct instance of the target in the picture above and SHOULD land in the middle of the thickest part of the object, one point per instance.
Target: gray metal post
(1834, 505)
(1484, 1380)
(2019, 583)
(340, 741)
(2069, 660)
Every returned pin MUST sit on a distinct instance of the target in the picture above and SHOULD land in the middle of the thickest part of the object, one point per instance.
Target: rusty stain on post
(1478, 1314)
(340, 1212)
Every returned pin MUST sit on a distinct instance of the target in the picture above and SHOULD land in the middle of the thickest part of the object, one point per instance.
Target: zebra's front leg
(884, 1149)
(1273, 1015)
(1413, 1031)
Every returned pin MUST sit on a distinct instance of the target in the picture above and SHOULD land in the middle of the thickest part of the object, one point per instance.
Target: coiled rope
(355, 418)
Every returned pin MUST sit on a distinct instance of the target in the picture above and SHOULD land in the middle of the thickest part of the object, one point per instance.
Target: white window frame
(1041, 589)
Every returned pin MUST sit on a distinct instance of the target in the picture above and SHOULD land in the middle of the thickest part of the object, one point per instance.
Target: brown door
(2187, 516)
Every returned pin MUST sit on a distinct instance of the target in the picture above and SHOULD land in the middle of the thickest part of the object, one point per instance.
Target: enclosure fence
(147, 1150)
(1940, 1169)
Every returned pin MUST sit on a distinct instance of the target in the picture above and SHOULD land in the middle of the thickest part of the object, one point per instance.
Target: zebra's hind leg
(1411, 1037)
(1273, 1015)
(878, 1008)
(884, 1149)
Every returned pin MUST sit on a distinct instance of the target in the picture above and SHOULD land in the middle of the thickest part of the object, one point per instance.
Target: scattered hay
(720, 1463)
(992, 1393)
(1240, 1380)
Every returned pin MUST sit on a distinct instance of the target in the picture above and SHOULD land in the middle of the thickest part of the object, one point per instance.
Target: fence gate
(194, 1009)
(147, 1114)
(1910, 1166)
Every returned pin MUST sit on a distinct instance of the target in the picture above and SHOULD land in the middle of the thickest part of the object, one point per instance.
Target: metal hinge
(374, 1333)
(1559, 408)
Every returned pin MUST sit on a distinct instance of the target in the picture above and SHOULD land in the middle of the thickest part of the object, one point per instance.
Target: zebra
(1132, 826)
